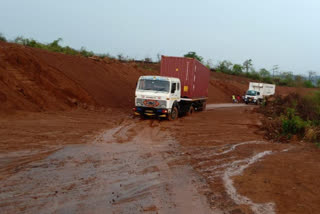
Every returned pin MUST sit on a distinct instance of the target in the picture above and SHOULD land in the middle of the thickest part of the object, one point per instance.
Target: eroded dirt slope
(34, 80)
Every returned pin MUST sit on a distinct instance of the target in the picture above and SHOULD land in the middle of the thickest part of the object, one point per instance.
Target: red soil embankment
(34, 80)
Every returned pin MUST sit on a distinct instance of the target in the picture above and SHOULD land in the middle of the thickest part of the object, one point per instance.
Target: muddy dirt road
(119, 164)
(127, 169)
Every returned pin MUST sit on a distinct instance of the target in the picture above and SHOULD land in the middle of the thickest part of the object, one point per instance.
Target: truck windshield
(251, 93)
(154, 85)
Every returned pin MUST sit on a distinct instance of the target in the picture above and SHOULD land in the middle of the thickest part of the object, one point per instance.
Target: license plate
(250, 100)
(149, 111)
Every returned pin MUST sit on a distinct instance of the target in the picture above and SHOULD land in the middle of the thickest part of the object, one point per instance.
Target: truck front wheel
(173, 114)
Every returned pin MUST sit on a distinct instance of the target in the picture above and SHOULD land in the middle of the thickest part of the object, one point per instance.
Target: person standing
(238, 98)
(234, 99)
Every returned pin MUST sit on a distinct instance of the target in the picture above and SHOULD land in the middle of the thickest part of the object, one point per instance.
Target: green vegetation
(292, 123)
(53, 46)
(263, 75)
(246, 69)
(2, 38)
(193, 55)
(308, 84)
(294, 115)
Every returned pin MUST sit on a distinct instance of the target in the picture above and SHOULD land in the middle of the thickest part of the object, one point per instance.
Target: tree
(158, 57)
(286, 79)
(253, 74)
(55, 43)
(312, 75)
(86, 53)
(308, 84)
(224, 67)
(148, 59)
(20, 40)
(192, 54)
(54, 46)
(237, 69)
(264, 73)
(120, 57)
(247, 64)
(2, 38)
(275, 70)
(299, 80)
(318, 83)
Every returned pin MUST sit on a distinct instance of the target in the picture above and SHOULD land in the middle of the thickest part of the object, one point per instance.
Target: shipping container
(193, 75)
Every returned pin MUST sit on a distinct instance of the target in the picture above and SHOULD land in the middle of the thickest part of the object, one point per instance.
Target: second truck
(181, 88)
(258, 92)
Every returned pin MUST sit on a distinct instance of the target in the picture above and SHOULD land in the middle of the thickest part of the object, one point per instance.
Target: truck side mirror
(258, 93)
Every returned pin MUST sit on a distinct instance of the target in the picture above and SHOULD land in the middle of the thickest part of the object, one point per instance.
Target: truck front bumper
(249, 100)
(152, 112)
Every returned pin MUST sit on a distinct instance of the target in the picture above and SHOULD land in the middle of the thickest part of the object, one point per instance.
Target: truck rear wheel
(173, 114)
(191, 111)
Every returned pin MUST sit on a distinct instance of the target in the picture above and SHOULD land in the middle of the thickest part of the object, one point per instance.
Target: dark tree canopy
(192, 54)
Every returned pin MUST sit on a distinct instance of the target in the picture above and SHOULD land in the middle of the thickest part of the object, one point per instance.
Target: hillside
(37, 80)
(34, 80)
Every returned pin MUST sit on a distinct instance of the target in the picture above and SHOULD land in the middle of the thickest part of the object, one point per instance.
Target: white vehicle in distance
(257, 92)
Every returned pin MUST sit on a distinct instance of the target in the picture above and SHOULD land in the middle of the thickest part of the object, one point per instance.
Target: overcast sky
(270, 32)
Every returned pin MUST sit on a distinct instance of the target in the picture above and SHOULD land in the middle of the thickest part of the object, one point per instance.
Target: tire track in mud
(127, 169)
(169, 190)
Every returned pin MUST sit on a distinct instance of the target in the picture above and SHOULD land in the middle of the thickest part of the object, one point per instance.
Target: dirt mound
(34, 80)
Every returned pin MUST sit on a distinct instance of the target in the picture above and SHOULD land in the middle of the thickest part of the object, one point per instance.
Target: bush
(86, 53)
(56, 47)
(293, 115)
(102, 56)
(308, 84)
(194, 55)
(312, 134)
(293, 124)
(268, 80)
(2, 38)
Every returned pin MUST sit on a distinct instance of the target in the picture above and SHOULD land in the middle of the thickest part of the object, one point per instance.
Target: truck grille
(151, 103)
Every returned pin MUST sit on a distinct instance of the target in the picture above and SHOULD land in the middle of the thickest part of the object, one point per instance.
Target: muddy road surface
(118, 164)
(125, 169)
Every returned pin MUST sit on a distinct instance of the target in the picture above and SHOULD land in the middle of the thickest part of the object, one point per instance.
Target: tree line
(246, 69)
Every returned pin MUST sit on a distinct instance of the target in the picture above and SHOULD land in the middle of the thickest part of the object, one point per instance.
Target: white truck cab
(156, 95)
(257, 92)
